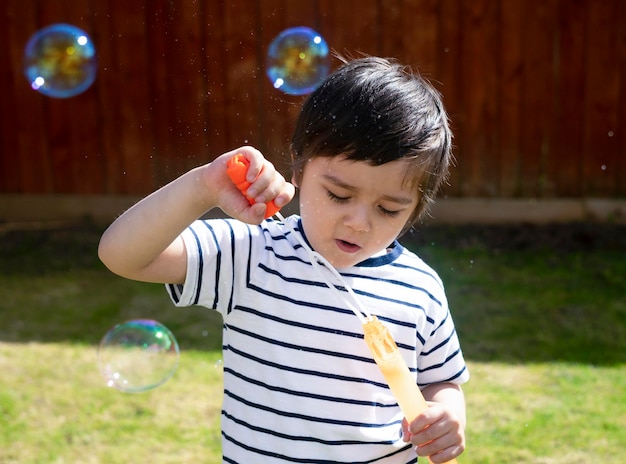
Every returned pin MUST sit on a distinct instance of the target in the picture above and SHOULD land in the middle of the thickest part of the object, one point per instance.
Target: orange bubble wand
(237, 168)
(377, 337)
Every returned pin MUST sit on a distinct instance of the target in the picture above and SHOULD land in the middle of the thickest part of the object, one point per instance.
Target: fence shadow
(518, 293)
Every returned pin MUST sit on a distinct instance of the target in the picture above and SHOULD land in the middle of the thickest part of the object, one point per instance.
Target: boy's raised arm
(144, 242)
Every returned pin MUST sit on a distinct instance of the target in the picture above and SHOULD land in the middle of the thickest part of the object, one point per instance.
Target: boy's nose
(358, 219)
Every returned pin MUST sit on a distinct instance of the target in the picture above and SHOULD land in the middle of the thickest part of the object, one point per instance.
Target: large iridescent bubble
(138, 355)
(60, 61)
(297, 60)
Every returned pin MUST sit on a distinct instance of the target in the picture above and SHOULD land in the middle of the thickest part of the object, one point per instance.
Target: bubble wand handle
(394, 369)
(237, 168)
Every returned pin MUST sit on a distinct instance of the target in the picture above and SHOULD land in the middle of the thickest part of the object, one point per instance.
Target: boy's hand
(266, 185)
(436, 433)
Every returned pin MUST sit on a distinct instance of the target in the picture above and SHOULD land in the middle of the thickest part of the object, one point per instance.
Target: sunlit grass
(545, 413)
(55, 407)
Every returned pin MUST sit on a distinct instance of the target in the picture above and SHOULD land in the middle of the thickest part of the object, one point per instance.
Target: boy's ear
(294, 181)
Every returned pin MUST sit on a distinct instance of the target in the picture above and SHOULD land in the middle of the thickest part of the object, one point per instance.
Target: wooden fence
(536, 89)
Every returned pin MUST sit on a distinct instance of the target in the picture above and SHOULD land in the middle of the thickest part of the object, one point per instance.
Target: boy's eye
(336, 198)
(387, 212)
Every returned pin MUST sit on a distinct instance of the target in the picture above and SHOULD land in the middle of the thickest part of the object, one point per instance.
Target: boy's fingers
(285, 197)
(253, 214)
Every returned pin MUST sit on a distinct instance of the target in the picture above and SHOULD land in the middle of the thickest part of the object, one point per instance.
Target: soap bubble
(297, 60)
(138, 355)
(60, 61)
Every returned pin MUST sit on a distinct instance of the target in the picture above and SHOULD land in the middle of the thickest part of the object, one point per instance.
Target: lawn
(541, 312)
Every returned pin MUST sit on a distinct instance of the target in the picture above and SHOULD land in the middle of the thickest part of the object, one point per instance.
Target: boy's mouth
(347, 247)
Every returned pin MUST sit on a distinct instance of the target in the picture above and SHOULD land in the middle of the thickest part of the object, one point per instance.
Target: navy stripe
(439, 345)
(301, 371)
(307, 418)
(232, 279)
(332, 399)
(417, 269)
(303, 325)
(308, 349)
(175, 291)
(291, 279)
(196, 297)
(282, 297)
(449, 379)
(304, 460)
(395, 282)
(441, 324)
(441, 364)
(393, 300)
(302, 437)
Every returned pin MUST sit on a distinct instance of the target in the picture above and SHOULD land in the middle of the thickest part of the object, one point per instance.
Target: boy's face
(352, 210)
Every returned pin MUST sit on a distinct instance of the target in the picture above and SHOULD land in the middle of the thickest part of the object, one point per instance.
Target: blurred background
(536, 92)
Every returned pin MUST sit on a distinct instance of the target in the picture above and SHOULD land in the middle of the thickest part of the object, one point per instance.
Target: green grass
(542, 323)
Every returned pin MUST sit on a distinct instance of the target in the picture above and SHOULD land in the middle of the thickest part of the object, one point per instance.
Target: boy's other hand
(436, 433)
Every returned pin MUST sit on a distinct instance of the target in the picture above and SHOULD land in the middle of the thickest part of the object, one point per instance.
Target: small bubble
(138, 355)
(297, 60)
(60, 61)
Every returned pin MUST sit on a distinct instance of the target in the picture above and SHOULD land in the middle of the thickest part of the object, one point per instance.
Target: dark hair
(376, 110)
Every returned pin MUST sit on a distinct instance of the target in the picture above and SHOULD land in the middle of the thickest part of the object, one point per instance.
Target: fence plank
(242, 81)
(162, 83)
(620, 133)
(478, 171)
(538, 88)
(420, 32)
(450, 70)
(564, 164)
(510, 95)
(34, 169)
(132, 99)
(215, 78)
(602, 90)
(106, 88)
(10, 160)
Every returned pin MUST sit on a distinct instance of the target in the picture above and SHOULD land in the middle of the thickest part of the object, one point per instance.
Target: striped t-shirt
(300, 385)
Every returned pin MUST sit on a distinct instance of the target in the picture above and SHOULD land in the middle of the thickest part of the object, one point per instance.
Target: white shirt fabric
(300, 384)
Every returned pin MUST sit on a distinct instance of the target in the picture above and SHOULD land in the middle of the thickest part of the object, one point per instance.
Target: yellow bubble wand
(377, 337)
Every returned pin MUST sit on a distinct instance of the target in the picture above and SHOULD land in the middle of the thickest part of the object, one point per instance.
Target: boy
(370, 149)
